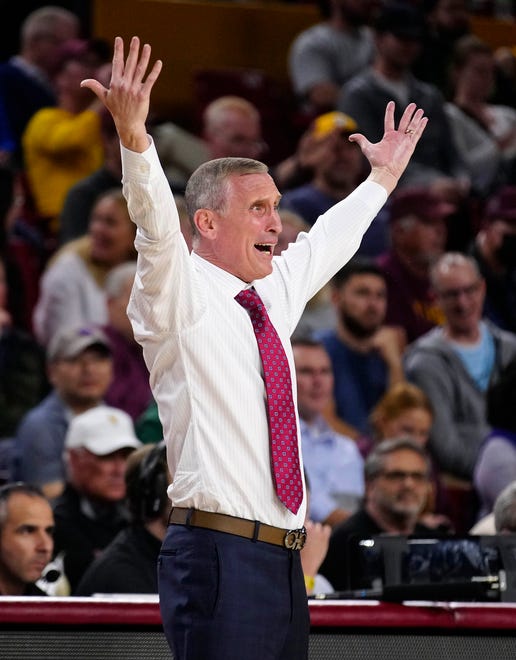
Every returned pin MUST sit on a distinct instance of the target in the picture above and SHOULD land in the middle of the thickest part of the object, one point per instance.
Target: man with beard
(365, 353)
(397, 482)
(418, 232)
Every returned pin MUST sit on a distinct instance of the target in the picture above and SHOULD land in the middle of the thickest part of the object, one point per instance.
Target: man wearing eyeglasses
(397, 486)
(455, 363)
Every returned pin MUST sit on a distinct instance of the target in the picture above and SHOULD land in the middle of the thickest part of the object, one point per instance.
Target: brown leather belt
(293, 539)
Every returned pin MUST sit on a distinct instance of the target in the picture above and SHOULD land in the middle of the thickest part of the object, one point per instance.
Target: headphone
(147, 486)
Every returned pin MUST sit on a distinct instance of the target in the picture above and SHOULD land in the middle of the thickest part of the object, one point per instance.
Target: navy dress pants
(224, 597)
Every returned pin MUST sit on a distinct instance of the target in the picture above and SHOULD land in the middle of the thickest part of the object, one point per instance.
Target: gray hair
(451, 260)
(375, 461)
(208, 185)
(46, 21)
(505, 509)
(118, 277)
(216, 111)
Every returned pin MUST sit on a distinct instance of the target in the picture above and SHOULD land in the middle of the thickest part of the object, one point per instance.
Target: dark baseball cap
(421, 203)
(402, 20)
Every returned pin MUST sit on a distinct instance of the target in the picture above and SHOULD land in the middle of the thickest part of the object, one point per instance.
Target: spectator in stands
(331, 165)
(397, 480)
(72, 286)
(454, 364)
(26, 539)
(339, 169)
(495, 467)
(80, 369)
(484, 132)
(232, 127)
(332, 461)
(128, 564)
(27, 78)
(62, 144)
(446, 22)
(494, 249)
(80, 198)
(404, 411)
(418, 232)
(398, 32)
(324, 56)
(365, 353)
(92, 510)
(129, 389)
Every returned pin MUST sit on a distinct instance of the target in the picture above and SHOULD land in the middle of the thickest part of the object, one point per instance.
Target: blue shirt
(478, 359)
(360, 380)
(335, 469)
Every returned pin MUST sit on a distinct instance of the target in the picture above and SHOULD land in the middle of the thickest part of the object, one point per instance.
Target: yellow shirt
(59, 148)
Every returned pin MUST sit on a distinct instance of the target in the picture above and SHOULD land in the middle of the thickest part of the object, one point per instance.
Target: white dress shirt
(200, 348)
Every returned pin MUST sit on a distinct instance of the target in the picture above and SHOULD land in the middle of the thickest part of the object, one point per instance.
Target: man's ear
(206, 222)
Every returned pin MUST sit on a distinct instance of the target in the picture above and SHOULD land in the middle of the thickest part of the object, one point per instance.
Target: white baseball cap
(102, 430)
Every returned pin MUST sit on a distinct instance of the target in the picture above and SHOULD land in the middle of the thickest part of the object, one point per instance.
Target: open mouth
(265, 247)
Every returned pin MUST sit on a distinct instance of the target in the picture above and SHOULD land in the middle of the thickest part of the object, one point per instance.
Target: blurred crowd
(405, 361)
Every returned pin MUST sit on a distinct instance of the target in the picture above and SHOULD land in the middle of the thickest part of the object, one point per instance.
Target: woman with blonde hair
(404, 410)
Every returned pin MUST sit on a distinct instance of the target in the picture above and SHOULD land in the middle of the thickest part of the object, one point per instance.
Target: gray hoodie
(459, 405)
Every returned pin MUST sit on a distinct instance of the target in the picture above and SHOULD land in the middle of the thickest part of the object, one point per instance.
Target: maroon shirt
(130, 389)
(410, 300)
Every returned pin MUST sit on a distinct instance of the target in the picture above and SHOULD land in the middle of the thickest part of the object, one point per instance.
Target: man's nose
(275, 224)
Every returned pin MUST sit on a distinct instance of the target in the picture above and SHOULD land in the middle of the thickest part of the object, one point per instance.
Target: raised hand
(389, 157)
(128, 96)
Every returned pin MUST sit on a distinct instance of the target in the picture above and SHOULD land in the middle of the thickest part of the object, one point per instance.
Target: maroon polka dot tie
(280, 404)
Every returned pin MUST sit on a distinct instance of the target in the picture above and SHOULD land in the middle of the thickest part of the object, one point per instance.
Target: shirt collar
(319, 429)
(227, 282)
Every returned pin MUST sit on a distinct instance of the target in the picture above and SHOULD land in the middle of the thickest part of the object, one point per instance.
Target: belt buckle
(295, 539)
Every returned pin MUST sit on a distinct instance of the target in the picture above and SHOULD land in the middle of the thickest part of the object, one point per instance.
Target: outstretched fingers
(133, 70)
(132, 60)
(152, 75)
(388, 122)
(117, 68)
(419, 126)
(407, 116)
